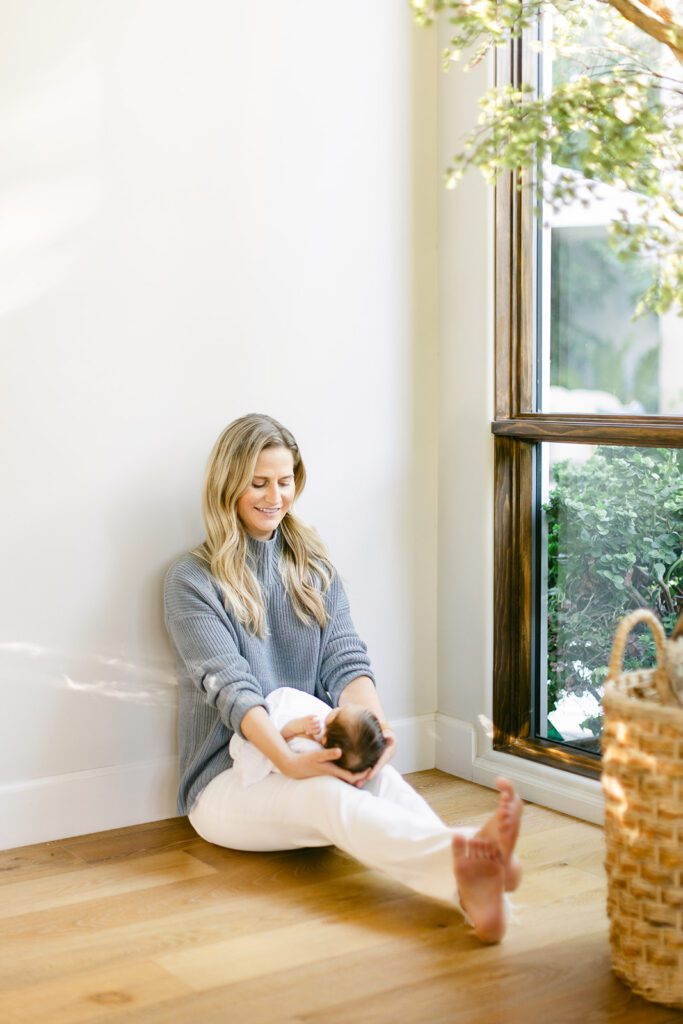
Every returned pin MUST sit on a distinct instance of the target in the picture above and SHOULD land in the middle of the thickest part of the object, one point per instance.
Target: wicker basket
(642, 779)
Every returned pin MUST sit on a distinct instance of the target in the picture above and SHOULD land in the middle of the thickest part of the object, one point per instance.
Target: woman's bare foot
(503, 828)
(480, 874)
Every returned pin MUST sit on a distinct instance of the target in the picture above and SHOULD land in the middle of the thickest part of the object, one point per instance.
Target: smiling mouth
(269, 511)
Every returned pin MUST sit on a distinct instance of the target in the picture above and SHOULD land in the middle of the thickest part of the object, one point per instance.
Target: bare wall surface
(209, 209)
(465, 412)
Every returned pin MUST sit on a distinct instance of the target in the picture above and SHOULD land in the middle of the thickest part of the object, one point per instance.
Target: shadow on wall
(108, 696)
(67, 713)
(93, 673)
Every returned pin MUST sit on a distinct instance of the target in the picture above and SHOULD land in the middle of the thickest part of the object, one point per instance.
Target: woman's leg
(390, 785)
(398, 837)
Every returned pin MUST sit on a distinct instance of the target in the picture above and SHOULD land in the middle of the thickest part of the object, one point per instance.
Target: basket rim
(614, 695)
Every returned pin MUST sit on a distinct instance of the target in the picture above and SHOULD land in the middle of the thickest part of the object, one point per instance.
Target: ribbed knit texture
(224, 670)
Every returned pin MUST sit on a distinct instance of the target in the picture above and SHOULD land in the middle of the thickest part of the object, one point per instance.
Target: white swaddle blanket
(283, 705)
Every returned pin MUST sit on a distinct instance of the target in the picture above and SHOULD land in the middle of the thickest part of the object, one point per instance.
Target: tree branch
(656, 20)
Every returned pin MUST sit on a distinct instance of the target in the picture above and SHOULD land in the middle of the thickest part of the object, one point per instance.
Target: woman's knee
(323, 788)
(329, 795)
(387, 781)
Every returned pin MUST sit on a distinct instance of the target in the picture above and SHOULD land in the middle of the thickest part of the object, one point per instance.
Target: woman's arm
(206, 642)
(344, 656)
(362, 691)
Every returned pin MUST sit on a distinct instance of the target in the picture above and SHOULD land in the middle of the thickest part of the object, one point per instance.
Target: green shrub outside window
(615, 536)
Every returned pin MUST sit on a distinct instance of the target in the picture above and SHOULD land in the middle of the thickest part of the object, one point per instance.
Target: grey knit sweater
(224, 670)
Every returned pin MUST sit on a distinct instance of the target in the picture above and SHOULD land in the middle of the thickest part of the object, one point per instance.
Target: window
(588, 463)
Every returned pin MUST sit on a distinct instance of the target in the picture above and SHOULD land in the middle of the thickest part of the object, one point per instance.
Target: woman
(258, 606)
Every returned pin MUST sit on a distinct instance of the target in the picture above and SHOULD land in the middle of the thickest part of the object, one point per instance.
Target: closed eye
(285, 480)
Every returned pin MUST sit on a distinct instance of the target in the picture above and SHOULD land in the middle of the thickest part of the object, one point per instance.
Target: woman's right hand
(311, 763)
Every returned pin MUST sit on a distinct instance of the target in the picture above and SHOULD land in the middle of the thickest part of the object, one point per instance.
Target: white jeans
(385, 825)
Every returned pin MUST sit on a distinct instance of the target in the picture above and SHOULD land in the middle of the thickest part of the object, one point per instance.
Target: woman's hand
(388, 752)
(317, 762)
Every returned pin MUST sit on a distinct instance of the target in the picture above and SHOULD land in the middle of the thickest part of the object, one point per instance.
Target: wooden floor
(152, 924)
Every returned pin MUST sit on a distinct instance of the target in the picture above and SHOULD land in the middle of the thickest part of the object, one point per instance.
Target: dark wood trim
(555, 756)
(512, 649)
(635, 431)
(514, 273)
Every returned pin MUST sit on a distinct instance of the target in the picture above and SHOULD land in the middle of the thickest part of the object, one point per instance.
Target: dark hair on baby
(362, 742)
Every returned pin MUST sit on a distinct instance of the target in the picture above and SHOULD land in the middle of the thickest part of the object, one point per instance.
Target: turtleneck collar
(264, 554)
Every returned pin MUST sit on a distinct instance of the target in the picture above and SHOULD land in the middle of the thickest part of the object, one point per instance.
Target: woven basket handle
(678, 629)
(666, 694)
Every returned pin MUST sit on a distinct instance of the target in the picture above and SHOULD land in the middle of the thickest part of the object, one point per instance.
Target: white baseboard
(61, 806)
(456, 747)
(415, 739)
(540, 784)
(463, 751)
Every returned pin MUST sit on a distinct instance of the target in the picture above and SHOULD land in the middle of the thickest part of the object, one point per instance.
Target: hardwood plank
(556, 887)
(267, 875)
(36, 862)
(92, 995)
(246, 956)
(265, 952)
(28, 957)
(296, 994)
(340, 989)
(45, 893)
(159, 837)
(562, 844)
(24, 862)
(517, 990)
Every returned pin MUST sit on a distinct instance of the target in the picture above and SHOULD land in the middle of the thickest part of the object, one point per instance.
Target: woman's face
(270, 494)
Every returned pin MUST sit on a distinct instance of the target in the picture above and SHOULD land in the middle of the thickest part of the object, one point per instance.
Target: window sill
(559, 790)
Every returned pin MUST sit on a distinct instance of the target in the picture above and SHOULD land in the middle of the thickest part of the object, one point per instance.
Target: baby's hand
(309, 725)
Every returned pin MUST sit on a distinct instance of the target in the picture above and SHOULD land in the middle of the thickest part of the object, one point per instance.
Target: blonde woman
(259, 606)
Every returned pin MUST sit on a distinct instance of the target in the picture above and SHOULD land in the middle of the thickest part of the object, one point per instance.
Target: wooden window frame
(517, 429)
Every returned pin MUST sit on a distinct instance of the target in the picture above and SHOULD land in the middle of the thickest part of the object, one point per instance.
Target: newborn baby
(308, 723)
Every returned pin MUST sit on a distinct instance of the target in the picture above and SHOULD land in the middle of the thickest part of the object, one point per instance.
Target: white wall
(465, 593)
(208, 209)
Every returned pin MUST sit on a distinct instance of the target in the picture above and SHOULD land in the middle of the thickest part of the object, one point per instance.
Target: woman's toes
(505, 787)
(459, 845)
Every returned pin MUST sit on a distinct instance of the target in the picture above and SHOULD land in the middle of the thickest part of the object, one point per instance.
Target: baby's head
(358, 734)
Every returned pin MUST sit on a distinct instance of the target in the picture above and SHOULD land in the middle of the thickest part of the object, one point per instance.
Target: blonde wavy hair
(305, 566)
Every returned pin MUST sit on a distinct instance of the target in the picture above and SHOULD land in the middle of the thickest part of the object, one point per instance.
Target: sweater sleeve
(344, 655)
(206, 643)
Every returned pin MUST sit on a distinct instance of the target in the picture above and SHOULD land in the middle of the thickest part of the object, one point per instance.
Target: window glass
(610, 530)
(594, 357)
